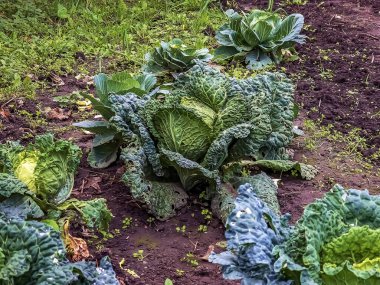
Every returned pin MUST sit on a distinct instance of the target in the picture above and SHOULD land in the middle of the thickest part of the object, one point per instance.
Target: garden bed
(337, 84)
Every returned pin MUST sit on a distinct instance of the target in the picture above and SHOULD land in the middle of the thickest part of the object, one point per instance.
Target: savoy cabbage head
(36, 182)
(47, 166)
(207, 120)
(33, 253)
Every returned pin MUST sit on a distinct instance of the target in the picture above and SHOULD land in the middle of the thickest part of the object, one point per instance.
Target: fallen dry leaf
(85, 79)
(56, 114)
(93, 182)
(56, 80)
(209, 251)
(4, 113)
(76, 247)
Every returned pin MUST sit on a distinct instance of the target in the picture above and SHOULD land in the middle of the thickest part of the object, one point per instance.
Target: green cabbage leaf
(334, 241)
(33, 253)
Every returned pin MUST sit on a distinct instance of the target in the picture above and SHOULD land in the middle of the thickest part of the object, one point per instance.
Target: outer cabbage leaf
(306, 171)
(94, 213)
(106, 144)
(264, 188)
(92, 275)
(252, 231)
(122, 83)
(10, 185)
(161, 198)
(271, 104)
(20, 207)
(132, 126)
(108, 140)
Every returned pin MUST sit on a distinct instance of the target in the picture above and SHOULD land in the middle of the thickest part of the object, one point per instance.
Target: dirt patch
(341, 62)
(163, 246)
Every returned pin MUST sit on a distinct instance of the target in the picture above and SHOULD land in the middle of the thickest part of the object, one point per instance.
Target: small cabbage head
(47, 166)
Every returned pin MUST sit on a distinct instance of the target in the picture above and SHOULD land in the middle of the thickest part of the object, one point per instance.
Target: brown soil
(347, 32)
(163, 246)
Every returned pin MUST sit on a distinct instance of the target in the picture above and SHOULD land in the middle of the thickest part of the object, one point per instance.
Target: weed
(35, 120)
(99, 247)
(202, 228)
(190, 259)
(348, 145)
(139, 255)
(150, 220)
(207, 215)
(293, 2)
(127, 222)
(181, 229)
(179, 272)
(203, 196)
(326, 74)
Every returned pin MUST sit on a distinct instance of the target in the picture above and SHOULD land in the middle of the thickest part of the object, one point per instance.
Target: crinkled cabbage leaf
(33, 253)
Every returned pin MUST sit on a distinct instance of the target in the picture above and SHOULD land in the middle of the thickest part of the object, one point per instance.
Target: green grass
(37, 38)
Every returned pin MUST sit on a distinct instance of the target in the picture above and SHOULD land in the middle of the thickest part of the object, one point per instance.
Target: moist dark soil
(338, 74)
(337, 79)
(163, 246)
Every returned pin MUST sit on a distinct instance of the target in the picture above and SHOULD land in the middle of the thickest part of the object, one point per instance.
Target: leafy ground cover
(338, 92)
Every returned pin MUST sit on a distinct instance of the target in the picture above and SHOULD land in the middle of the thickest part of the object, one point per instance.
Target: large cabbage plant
(334, 242)
(107, 141)
(260, 37)
(179, 141)
(36, 182)
(33, 253)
